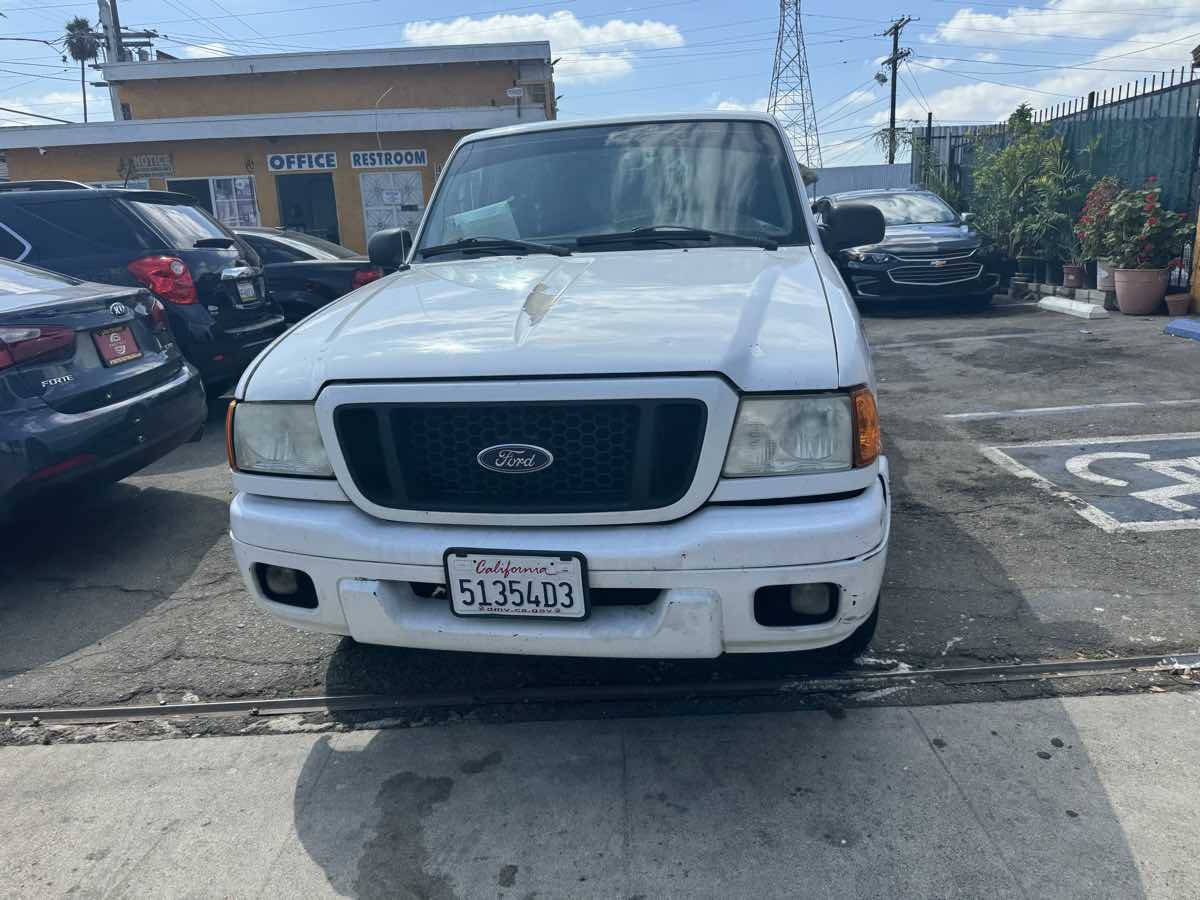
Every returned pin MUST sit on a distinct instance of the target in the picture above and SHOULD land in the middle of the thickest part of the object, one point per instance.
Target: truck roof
(559, 124)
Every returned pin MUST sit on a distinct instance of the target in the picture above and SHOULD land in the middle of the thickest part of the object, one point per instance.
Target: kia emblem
(510, 459)
(118, 309)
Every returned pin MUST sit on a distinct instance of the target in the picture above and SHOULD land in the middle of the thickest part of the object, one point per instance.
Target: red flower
(1152, 221)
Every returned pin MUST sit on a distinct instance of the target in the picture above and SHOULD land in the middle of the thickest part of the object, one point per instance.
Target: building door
(391, 200)
(307, 203)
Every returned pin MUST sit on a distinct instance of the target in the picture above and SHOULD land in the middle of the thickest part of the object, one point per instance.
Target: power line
(913, 75)
(1020, 87)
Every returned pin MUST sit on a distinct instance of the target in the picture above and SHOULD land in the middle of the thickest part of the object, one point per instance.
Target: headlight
(804, 433)
(870, 257)
(276, 439)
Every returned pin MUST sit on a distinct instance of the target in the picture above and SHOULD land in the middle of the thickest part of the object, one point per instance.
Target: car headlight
(868, 256)
(276, 439)
(792, 435)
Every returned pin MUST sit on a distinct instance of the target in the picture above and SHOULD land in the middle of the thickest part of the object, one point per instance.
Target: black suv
(210, 283)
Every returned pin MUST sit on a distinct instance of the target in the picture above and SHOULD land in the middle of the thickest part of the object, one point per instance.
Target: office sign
(143, 164)
(302, 162)
(388, 159)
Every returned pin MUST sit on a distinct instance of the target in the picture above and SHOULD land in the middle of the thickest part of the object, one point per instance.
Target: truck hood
(758, 317)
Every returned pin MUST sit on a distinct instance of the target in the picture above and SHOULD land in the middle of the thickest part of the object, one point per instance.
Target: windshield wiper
(658, 233)
(494, 245)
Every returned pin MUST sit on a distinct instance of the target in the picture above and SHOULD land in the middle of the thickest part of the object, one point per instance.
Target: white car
(617, 402)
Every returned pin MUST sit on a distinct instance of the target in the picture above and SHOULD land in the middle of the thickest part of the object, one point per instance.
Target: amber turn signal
(868, 443)
(229, 435)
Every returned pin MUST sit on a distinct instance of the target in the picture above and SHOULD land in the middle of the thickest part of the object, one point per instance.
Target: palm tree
(83, 44)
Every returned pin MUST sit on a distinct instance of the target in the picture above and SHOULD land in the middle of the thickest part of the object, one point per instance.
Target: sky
(970, 63)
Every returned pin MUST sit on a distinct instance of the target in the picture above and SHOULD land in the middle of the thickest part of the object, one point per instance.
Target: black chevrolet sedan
(92, 384)
(928, 251)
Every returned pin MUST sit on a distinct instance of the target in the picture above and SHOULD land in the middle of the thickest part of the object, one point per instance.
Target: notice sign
(388, 159)
(302, 162)
(142, 164)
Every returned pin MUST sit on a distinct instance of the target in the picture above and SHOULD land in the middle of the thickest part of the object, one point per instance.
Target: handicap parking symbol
(1137, 483)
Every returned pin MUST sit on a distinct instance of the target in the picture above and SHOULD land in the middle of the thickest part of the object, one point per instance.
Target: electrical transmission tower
(791, 100)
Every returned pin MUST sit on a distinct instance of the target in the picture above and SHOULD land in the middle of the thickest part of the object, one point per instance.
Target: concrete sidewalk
(1090, 797)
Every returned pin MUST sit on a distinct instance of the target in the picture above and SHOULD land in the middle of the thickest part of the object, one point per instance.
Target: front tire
(856, 644)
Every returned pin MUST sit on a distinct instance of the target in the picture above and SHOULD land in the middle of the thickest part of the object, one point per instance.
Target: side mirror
(966, 217)
(852, 225)
(389, 248)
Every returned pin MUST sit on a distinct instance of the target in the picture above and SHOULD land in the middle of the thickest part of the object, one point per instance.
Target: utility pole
(116, 24)
(928, 148)
(894, 61)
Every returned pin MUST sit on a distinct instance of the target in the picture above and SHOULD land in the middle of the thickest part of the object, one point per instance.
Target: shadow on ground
(79, 568)
(941, 802)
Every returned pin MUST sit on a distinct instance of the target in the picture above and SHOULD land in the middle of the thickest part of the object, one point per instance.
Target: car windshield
(910, 209)
(181, 224)
(556, 186)
(17, 280)
(316, 247)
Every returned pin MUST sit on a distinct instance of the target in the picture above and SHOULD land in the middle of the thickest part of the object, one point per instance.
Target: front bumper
(706, 568)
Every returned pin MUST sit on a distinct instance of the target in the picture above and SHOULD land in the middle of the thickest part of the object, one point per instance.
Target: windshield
(911, 209)
(555, 186)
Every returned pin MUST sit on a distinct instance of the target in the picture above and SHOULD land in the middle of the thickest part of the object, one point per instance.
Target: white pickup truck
(616, 402)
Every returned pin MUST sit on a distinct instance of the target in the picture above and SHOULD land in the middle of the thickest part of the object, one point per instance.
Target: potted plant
(1092, 230)
(1145, 240)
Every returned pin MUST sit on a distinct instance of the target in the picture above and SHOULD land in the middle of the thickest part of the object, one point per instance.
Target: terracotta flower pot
(1072, 276)
(1140, 292)
(1178, 304)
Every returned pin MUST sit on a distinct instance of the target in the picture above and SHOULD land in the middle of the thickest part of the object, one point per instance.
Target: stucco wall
(194, 159)
(412, 87)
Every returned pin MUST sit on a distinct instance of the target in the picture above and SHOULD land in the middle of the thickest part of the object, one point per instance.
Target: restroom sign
(302, 162)
(388, 159)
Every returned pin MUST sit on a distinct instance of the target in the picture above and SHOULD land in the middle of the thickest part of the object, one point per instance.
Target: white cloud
(936, 62)
(759, 105)
(204, 51)
(989, 56)
(1067, 18)
(589, 53)
(979, 101)
(66, 104)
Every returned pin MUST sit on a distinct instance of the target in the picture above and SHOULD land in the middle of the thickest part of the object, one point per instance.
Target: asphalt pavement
(1001, 551)
(1081, 798)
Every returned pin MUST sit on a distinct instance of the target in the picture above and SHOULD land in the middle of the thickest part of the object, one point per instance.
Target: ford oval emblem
(515, 458)
(118, 309)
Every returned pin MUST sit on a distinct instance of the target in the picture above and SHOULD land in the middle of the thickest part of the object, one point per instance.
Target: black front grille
(947, 274)
(609, 455)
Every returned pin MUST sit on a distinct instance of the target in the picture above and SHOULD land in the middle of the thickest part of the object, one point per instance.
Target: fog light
(288, 586)
(790, 605)
(809, 599)
(284, 581)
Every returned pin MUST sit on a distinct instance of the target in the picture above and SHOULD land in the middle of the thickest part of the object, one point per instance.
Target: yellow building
(337, 144)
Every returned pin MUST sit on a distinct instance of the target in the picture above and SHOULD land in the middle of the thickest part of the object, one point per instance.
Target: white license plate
(246, 290)
(495, 583)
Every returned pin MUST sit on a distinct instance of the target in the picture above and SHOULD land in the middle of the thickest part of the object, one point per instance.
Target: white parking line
(966, 337)
(1051, 410)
